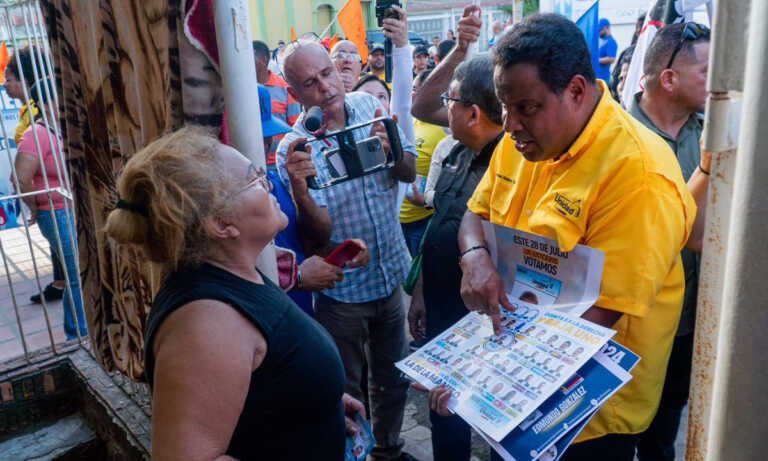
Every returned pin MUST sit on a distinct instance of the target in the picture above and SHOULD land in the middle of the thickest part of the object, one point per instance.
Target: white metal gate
(31, 333)
(26, 260)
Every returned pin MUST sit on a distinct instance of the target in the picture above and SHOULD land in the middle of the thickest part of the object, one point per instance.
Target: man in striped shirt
(284, 106)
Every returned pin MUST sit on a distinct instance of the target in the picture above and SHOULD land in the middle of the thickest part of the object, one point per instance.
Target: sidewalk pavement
(17, 280)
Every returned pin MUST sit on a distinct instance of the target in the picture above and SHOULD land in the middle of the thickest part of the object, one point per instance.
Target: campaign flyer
(498, 381)
(548, 431)
(360, 445)
(536, 272)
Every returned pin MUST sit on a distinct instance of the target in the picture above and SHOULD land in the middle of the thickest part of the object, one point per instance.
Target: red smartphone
(344, 253)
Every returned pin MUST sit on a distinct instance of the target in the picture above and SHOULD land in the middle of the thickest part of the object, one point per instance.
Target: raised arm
(428, 106)
(402, 72)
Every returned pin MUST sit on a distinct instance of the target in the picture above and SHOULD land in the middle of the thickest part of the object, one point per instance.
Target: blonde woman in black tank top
(237, 370)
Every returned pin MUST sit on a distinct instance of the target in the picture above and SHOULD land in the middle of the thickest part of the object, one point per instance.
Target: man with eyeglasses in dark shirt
(460, 95)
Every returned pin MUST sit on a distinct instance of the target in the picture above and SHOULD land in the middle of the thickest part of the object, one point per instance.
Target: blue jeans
(66, 227)
(413, 231)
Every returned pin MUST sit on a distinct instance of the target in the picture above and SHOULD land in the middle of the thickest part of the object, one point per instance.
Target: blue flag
(588, 25)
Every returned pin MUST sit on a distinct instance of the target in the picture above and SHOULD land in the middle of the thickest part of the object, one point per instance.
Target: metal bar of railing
(40, 45)
(37, 192)
(13, 297)
(43, 49)
(25, 217)
(44, 109)
(738, 425)
(46, 73)
(724, 84)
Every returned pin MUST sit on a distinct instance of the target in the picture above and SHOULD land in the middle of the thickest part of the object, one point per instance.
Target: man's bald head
(344, 45)
(298, 54)
(313, 77)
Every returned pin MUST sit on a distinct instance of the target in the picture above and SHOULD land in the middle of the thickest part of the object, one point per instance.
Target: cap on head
(604, 22)
(377, 47)
(270, 126)
(420, 50)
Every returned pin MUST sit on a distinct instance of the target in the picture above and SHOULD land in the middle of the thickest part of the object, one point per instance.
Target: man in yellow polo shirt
(577, 168)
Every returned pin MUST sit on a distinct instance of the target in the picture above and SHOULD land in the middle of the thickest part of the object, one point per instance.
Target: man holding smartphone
(364, 313)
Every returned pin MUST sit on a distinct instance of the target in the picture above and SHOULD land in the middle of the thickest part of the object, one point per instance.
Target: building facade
(272, 21)
(429, 18)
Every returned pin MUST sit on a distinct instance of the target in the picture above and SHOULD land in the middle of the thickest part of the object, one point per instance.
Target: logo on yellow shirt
(504, 178)
(566, 206)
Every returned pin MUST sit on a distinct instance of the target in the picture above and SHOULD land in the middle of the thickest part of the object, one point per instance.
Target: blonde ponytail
(166, 190)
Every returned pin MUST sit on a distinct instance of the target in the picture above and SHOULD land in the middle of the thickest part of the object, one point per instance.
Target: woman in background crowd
(36, 169)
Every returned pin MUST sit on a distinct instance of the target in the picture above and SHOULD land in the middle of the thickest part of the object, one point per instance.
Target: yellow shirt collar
(590, 132)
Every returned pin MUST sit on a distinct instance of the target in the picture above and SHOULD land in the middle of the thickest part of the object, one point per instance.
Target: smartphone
(371, 153)
(344, 253)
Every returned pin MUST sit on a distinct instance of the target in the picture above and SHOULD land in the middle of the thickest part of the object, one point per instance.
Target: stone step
(55, 442)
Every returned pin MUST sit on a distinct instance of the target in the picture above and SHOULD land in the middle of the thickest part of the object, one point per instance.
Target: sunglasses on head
(692, 31)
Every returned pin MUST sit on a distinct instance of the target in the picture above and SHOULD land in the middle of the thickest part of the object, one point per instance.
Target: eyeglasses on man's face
(346, 56)
(447, 100)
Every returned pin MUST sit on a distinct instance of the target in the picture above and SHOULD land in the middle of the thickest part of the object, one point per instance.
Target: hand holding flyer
(358, 446)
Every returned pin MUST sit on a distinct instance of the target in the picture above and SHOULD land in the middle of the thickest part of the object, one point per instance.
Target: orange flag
(351, 21)
(4, 58)
(334, 40)
(293, 35)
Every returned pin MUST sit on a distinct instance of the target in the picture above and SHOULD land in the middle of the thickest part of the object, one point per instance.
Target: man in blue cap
(376, 60)
(607, 51)
(314, 274)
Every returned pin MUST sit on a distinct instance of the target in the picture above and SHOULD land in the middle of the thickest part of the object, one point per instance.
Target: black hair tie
(142, 210)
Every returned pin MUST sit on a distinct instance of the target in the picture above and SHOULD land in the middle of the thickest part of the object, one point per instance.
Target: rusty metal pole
(241, 94)
(739, 416)
(725, 84)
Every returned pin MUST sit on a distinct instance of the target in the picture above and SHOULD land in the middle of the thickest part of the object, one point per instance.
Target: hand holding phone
(345, 253)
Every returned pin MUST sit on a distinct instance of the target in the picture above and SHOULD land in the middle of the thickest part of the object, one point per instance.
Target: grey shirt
(688, 152)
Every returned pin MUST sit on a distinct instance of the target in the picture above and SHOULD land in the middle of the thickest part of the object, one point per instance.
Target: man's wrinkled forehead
(306, 60)
(346, 46)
